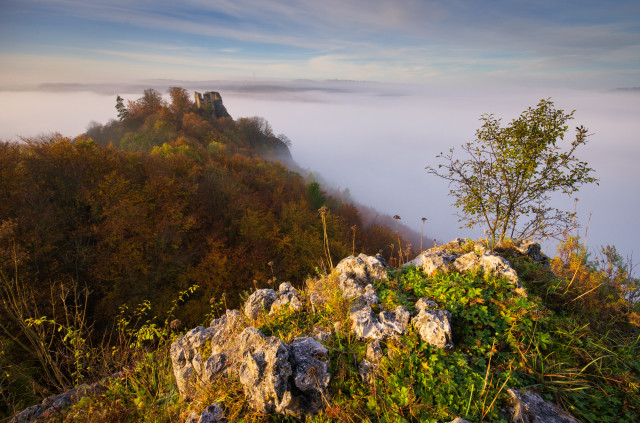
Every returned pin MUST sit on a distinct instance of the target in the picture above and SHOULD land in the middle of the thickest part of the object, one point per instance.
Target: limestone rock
(223, 329)
(350, 287)
(434, 327)
(51, 406)
(364, 269)
(365, 324)
(491, 264)
(395, 322)
(425, 303)
(455, 245)
(190, 367)
(311, 375)
(28, 414)
(238, 347)
(246, 342)
(259, 302)
(185, 353)
(276, 377)
(533, 250)
(366, 370)
(211, 414)
(389, 325)
(529, 407)
(430, 261)
(459, 420)
(287, 295)
(370, 295)
(264, 374)
(448, 256)
(374, 352)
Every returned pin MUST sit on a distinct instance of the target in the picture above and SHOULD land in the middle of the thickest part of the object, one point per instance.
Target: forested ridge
(165, 198)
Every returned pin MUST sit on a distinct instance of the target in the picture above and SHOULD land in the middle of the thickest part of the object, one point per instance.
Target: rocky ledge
(293, 379)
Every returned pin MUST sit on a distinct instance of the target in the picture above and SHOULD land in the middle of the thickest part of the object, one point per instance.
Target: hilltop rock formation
(211, 100)
(293, 378)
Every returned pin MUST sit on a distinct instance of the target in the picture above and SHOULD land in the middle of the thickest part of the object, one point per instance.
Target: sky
(368, 91)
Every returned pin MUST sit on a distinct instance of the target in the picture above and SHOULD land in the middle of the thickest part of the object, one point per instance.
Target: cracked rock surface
(434, 327)
(259, 302)
(287, 295)
(289, 379)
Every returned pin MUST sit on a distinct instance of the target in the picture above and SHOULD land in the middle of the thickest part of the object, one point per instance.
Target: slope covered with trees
(144, 207)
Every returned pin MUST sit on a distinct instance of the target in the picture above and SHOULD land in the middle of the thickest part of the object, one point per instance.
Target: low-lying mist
(376, 139)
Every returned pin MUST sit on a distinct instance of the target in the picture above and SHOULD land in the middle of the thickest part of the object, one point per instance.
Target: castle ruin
(211, 100)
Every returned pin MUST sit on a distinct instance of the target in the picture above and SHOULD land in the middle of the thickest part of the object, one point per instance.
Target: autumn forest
(164, 198)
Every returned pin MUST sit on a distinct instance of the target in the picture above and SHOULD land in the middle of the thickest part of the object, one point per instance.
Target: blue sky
(593, 44)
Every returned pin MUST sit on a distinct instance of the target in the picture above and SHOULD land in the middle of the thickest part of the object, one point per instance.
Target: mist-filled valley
(375, 139)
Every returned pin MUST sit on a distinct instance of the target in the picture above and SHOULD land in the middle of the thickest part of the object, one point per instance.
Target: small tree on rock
(510, 172)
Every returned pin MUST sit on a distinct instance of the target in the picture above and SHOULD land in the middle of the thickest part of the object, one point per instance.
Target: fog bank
(376, 139)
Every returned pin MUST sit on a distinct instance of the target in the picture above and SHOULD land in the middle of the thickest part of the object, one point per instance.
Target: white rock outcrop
(430, 261)
(434, 327)
(490, 263)
(276, 377)
(446, 258)
(364, 269)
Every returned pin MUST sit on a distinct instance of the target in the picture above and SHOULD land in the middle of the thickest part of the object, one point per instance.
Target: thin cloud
(274, 90)
(409, 41)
